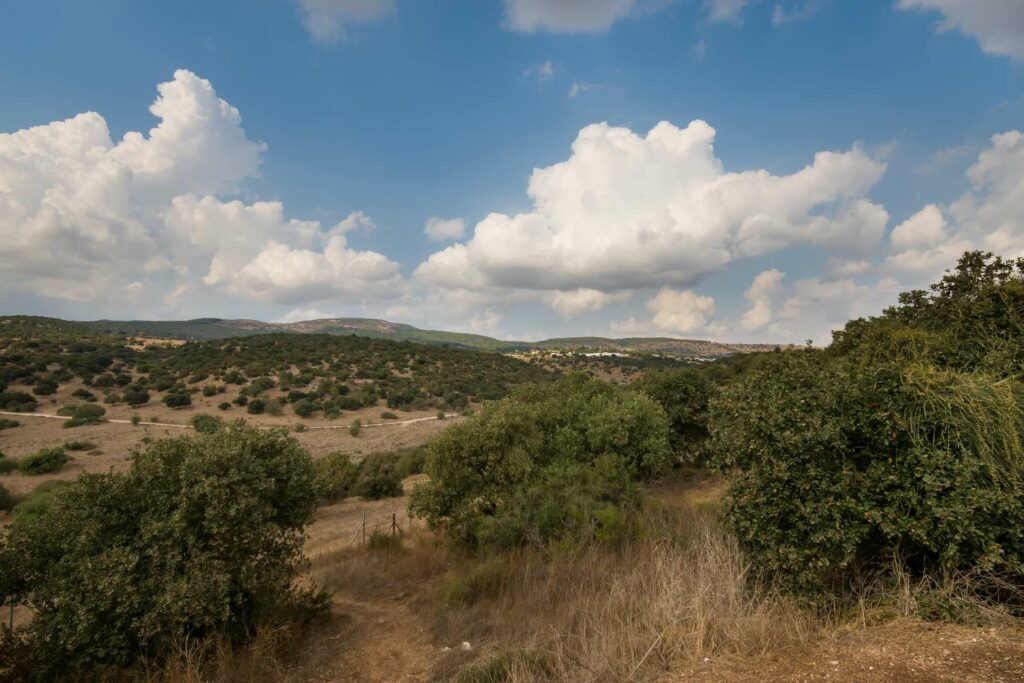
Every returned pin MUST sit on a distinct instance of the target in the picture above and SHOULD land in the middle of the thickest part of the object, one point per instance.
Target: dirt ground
(116, 440)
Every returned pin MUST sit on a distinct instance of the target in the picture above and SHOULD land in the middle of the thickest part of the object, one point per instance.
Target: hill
(201, 329)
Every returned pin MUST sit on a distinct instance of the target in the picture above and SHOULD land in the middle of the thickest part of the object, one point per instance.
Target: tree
(200, 537)
(683, 394)
(547, 463)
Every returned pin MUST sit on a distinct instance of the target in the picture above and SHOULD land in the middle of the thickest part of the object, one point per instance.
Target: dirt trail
(386, 642)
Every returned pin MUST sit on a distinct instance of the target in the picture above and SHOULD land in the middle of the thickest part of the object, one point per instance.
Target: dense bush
(683, 393)
(841, 465)
(86, 414)
(43, 461)
(256, 406)
(206, 424)
(377, 479)
(201, 537)
(550, 462)
(8, 424)
(335, 475)
(17, 402)
(177, 400)
(7, 499)
(7, 465)
(79, 445)
(136, 397)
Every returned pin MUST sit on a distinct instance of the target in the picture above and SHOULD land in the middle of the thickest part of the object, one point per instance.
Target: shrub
(36, 502)
(45, 388)
(177, 400)
(79, 445)
(17, 402)
(206, 424)
(43, 461)
(136, 419)
(8, 424)
(335, 475)
(256, 406)
(84, 394)
(540, 465)
(388, 415)
(382, 541)
(305, 407)
(377, 479)
(866, 463)
(356, 428)
(218, 518)
(7, 465)
(86, 414)
(136, 397)
(210, 390)
(240, 400)
(683, 394)
(440, 415)
(224, 406)
(7, 500)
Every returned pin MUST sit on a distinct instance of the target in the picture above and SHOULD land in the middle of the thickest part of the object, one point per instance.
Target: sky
(739, 170)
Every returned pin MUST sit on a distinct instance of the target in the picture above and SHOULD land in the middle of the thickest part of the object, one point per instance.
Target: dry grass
(679, 594)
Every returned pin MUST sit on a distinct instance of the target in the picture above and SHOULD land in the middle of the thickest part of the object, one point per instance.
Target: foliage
(8, 424)
(206, 424)
(7, 500)
(683, 394)
(43, 461)
(7, 465)
(79, 445)
(37, 501)
(356, 428)
(840, 465)
(335, 475)
(377, 479)
(17, 402)
(540, 465)
(86, 414)
(177, 399)
(201, 537)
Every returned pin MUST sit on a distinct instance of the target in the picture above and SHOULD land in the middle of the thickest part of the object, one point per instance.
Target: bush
(388, 415)
(440, 415)
(210, 390)
(17, 402)
(79, 445)
(224, 406)
(7, 500)
(45, 388)
(135, 397)
(218, 519)
(85, 395)
(136, 420)
(8, 424)
(177, 400)
(377, 479)
(206, 424)
(86, 414)
(541, 465)
(43, 461)
(356, 428)
(305, 407)
(335, 475)
(867, 463)
(256, 406)
(7, 465)
(683, 394)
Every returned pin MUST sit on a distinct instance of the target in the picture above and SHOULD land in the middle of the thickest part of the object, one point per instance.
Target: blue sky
(302, 146)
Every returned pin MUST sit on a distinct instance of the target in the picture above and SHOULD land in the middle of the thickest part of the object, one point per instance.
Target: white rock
(466, 646)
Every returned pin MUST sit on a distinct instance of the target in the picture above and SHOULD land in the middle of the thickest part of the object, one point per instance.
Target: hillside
(201, 329)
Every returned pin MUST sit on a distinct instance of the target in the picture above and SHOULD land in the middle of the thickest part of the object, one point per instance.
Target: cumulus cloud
(444, 229)
(578, 301)
(627, 211)
(326, 19)
(761, 296)
(997, 25)
(86, 219)
(565, 16)
(989, 216)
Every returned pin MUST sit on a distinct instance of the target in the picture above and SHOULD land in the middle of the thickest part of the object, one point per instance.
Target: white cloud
(565, 16)
(681, 311)
(326, 19)
(725, 10)
(444, 229)
(577, 301)
(761, 296)
(997, 25)
(989, 216)
(802, 11)
(87, 220)
(542, 72)
(627, 211)
(576, 88)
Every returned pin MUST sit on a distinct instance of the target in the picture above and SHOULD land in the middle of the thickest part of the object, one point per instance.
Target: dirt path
(908, 651)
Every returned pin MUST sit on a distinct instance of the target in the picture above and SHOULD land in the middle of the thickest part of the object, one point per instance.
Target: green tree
(201, 536)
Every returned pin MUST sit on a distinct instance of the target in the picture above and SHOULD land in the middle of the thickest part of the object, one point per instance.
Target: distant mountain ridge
(218, 328)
